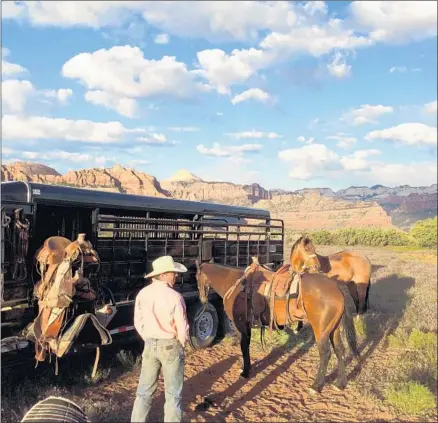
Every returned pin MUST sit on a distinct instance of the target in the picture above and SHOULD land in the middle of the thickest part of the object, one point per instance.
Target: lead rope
(96, 362)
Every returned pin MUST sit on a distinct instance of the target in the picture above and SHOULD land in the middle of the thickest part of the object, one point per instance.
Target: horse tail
(367, 295)
(350, 331)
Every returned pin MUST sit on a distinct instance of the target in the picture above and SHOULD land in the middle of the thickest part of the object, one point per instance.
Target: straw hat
(165, 264)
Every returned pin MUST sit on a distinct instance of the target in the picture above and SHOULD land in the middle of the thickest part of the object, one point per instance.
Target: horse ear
(255, 260)
(211, 260)
(198, 269)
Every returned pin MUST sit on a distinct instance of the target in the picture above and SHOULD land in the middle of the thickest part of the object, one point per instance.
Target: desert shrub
(357, 236)
(410, 398)
(425, 232)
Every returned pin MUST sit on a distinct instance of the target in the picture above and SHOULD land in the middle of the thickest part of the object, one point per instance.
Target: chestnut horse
(352, 269)
(322, 301)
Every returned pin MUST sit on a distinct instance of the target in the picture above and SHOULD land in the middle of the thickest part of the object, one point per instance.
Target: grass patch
(410, 398)
(128, 360)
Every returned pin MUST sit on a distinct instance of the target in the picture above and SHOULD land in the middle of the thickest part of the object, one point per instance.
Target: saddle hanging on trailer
(55, 329)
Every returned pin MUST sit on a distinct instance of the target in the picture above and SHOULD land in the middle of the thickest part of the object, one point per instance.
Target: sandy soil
(277, 389)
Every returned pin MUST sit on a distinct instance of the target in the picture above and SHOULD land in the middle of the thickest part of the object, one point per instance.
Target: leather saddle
(58, 287)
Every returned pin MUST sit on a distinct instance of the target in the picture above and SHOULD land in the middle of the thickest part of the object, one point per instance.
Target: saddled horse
(350, 268)
(257, 294)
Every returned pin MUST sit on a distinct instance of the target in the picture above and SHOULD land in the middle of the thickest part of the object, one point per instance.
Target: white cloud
(253, 93)
(431, 108)
(310, 161)
(156, 139)
(15, 95)
(124, 72)
(231, 152)
(9, 68)
(339, 67)
(38, 128)
(315, 40)
(396, 174)
(125, 106)
(403, 69)
(303, 140)
(406, 133)
(184, 129)
(219, 21)
(357, 160)
(366, 114)
(214, 21)
(400, 69)
(161, 39)
(58, 155)
(93, 14)
(344, 141)
(396, 21)
(62, 95)
(222, 70)
(254, 134)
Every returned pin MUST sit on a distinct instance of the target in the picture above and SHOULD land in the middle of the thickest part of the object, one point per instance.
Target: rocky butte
(307, 209)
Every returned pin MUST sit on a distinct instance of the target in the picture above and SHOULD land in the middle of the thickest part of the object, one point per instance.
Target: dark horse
(322, 300)
(352, 269)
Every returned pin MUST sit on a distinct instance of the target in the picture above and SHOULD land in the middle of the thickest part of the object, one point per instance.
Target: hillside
(306, 209)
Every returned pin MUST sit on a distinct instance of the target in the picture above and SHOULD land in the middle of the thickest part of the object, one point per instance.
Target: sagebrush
(423, 234)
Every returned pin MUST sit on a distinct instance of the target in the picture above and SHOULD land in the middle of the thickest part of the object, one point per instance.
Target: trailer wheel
(203, 325)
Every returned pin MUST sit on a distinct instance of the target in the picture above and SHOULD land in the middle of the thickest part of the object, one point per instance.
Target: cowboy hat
(165, 264)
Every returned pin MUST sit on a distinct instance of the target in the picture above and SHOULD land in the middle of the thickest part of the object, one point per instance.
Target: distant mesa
(305, 209)
(183, 175)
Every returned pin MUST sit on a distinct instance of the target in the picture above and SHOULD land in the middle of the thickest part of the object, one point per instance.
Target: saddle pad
(100, 335)
(294, 286)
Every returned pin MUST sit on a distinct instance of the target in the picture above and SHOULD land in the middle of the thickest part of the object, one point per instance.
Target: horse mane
(295, 245)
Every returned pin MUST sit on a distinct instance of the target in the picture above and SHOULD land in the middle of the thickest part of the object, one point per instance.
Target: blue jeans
(167, 354)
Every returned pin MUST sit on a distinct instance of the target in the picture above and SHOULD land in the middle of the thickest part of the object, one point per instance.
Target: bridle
(304, 267)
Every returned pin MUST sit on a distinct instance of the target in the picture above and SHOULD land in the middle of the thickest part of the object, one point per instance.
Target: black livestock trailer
(128, 232)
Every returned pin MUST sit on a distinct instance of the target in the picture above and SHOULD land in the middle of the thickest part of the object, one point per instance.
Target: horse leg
(363, 292)
(324, 357)
(338, 346)
(245, 341)
(354, 294)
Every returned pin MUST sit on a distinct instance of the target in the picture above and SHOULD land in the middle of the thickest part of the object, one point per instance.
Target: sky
(289, 95)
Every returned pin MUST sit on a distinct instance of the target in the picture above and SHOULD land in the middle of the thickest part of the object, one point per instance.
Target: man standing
(160, 319)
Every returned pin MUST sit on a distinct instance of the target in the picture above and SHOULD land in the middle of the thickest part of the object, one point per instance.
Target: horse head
(203, 283)
(303, 256)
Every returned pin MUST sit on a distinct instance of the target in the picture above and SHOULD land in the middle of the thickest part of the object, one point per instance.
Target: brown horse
(352, 269)
(246, 302)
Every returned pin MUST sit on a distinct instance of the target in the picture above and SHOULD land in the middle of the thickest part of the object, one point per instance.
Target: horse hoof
(244, 375)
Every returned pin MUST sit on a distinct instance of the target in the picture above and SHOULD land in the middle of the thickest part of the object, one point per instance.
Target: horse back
(349, 265)
(321, 287)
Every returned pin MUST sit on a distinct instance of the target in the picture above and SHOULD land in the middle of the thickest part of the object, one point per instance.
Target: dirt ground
(403, 294)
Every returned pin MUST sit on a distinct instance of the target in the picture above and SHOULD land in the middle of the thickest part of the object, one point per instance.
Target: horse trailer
(128, 232)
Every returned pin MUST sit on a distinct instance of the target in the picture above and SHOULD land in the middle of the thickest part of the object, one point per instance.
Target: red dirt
(277, 390)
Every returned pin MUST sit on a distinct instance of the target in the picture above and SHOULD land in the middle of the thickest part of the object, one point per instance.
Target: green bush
(410, 398)
(425, 232)
(353, 236)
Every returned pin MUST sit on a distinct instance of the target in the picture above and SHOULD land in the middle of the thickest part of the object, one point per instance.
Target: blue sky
(289, 95)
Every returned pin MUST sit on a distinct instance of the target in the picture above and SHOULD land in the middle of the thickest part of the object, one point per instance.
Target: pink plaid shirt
(160, 312)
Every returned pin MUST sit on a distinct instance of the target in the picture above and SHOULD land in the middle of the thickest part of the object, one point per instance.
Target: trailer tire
(204, 325)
